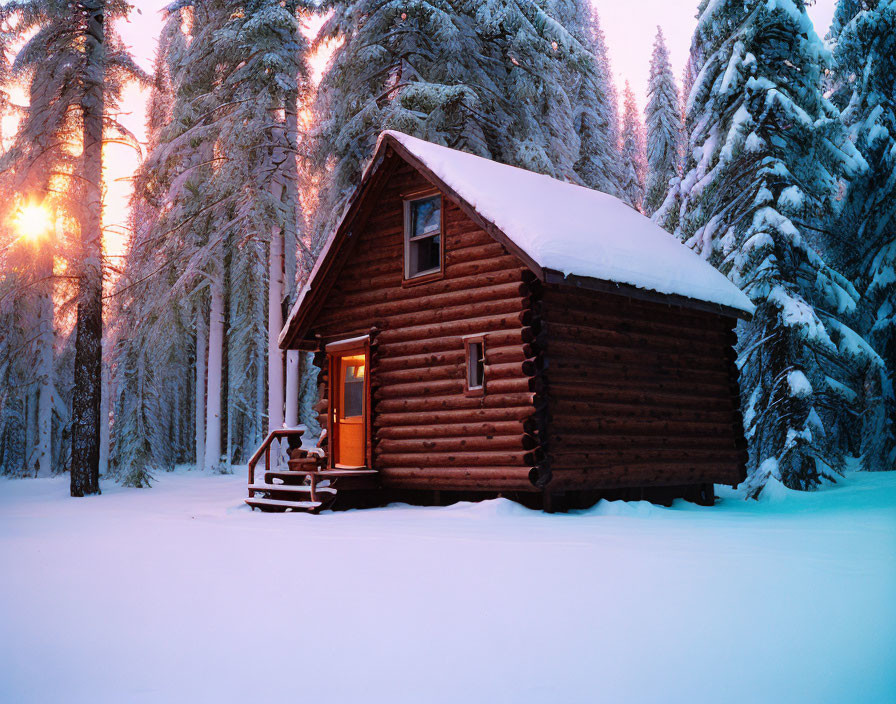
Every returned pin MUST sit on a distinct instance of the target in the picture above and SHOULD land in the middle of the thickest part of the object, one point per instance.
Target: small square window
(423, 236)
(475, 379)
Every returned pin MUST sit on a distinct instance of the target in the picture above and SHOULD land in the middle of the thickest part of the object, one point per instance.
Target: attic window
(474, 384)
(423, 236)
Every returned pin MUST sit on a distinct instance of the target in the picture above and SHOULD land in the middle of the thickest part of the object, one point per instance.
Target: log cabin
(484, 330)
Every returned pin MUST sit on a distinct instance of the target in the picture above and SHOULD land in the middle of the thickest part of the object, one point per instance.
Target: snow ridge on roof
(576, 230)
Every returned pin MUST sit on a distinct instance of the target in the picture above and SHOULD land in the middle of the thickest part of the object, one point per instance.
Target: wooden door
(349, 370)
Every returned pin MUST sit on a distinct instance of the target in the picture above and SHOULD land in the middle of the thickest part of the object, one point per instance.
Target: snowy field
(180, 593)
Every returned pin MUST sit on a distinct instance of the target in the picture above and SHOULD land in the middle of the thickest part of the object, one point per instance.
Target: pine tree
(663, 121)
(73, 67)
(594, 100)
(488, 78)
(864, 87)
(765, 155)
(217, 223)
(633, 165)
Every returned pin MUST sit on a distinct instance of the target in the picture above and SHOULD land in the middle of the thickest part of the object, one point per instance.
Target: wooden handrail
(265, 449)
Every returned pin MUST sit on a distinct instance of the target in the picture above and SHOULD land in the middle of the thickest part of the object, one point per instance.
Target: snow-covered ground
(180, 593)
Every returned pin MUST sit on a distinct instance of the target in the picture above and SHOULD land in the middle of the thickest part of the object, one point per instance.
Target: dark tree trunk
(89, 326)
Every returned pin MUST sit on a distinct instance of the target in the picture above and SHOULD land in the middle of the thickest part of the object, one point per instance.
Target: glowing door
(350, 409)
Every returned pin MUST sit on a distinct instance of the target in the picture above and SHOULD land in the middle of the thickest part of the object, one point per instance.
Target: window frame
(469, 341)
(430, 275)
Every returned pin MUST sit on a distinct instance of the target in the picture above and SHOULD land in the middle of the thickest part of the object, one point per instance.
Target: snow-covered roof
(565, 228)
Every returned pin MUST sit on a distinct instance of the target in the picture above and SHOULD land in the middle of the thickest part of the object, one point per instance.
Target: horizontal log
(639, 427)
(667, 326)
(611, 392)
(515, 443)
(566, 370)
(499, 355)
(438, 387)
(481, 458)
(625, 308)
(388, 280)
(572, 388)
(589, 353)
(456, 478)
(462, 233)
(440, 286)
(494, 338)
(508, 261)
(612, 458)
(654, 474)
(419, 374)
(440, 306)
(428, 404)
(513, 386)
(468, 415)
(448, 429)
(561, 409)
(642, 337)
(560, 440)
(479, 309)
(493, 372)
(460, 255)
(467, 326)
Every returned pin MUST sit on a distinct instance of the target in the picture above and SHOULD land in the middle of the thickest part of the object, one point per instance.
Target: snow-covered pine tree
(222, 178)
(174, 259)
(81, 59)
(864, 87)
(664, 126)
(488, 78)
(765, 154)
(259, 138)
(632, 148)
(151, 343)
(594, 102)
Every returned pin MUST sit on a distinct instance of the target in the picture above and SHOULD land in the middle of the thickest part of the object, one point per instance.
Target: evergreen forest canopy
(775, 159)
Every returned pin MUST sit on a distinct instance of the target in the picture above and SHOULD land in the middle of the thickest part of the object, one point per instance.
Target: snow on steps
(293, 488)
(283, 504)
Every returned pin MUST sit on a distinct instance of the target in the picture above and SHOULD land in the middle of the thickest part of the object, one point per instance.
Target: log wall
(636, 393)
(427, 434)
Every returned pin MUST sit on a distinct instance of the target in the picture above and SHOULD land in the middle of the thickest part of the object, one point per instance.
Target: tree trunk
(105, 402)
(200, 389)
(275, 324)
(308, 394)
(215, 361)
(89, 324)
(292, 388)
(45, 367)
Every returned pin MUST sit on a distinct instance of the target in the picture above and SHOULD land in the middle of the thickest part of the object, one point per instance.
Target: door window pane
(353, 391)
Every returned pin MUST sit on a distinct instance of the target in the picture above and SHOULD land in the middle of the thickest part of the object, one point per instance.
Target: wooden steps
(289, 488)
(283, 505)
(301, 487)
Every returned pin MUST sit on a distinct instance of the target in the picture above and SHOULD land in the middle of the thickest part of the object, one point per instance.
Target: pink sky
(630, 28)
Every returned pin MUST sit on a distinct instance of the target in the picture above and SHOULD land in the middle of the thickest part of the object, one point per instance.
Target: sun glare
(33, 221)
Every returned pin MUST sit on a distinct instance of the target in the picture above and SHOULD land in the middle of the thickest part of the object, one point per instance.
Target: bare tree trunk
(292, 388)
(275, 323)
(215, 364)
(200, 389)
(89, 325)
(45, 366)
(105, 401)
